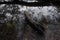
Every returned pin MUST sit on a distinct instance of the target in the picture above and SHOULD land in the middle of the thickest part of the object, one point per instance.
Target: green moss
(10, 24)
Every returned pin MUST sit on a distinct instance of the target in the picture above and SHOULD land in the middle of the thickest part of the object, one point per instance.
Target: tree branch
(35, 25)
(42, 3)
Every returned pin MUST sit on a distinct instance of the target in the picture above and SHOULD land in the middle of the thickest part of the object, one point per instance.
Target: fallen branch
(35, 25)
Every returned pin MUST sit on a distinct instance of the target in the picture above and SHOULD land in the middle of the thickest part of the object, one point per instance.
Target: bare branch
(41, 3)
(35, 25)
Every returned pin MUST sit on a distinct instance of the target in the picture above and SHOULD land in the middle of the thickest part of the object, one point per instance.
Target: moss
(10, 24)
(8, 31)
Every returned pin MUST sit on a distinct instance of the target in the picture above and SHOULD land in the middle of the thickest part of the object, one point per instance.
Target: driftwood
(35, 25)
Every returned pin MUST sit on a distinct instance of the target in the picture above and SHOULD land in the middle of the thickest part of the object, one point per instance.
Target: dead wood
(35, 25)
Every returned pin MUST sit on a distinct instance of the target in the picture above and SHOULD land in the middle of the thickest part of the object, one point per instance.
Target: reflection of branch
(42, 3)
(35, 25)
